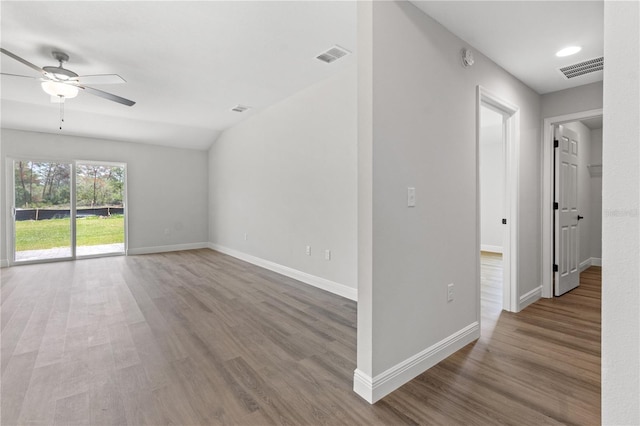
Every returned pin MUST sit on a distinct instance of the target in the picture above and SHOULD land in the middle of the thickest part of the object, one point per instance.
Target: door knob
(580, 217)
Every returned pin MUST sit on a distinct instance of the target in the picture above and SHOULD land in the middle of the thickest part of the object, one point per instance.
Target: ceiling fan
(62, 83)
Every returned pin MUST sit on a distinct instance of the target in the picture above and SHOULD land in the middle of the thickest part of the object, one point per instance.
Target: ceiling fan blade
(17, 75)
(24, 61)
(101, 79)
(106, 95)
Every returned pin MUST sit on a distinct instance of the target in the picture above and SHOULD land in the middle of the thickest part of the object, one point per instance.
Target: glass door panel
(100, 223)
(42, 201)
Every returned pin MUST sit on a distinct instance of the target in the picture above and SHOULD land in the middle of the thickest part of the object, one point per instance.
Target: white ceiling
(186, 63)
(523, 36)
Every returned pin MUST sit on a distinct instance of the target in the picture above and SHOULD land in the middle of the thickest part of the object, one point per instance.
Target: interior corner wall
(569, 101)
(621, 215)
(286, 178)
(424, 136)
(585, 226)
(166, 187)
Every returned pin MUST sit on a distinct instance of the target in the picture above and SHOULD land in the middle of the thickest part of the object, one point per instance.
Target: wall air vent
(240, 108)
(335, 53)
(582, 68)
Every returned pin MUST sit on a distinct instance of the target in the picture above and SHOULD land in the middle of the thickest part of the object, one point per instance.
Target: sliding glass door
(99, 209)
(42, 201)
(64, 210)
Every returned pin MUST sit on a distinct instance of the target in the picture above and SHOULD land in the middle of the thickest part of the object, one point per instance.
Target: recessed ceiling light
(568, 51)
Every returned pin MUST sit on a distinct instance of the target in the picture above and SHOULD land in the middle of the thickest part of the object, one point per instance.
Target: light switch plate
(411, 196)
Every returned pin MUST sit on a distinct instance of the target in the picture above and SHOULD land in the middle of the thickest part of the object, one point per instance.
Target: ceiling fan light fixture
(55, 88)
(567, 51)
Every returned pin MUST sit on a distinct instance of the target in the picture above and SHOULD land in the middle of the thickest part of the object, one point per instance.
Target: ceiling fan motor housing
(60, 73)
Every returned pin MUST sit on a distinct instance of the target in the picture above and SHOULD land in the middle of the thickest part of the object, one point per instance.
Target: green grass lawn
(46, 234)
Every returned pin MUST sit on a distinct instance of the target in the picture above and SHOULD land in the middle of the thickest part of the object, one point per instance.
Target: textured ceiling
(186, 63)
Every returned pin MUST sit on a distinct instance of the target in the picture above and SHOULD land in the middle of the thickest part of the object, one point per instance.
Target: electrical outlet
(308, 251)
(327, 254)
(246, 236)
(450, 292)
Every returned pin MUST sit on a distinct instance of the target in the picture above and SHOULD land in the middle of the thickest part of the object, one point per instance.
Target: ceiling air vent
(582, 68)
(336, 52)
(240, 108)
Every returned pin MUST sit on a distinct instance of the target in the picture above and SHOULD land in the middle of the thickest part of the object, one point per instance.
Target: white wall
(287, 178)
(621, 221)
(584, 190)
(576, 99)
(595, 246)
(491, 181)
(167, 187)
(422, 120)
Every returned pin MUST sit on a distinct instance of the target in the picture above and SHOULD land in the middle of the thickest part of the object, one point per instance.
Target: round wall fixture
(467, 58)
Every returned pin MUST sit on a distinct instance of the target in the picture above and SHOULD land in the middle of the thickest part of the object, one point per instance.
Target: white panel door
(567, 276)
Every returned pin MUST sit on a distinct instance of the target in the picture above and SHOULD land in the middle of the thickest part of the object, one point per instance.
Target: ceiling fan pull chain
(61, 111)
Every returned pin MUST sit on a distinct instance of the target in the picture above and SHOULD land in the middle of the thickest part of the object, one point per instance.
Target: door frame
(547, 192)
(511, 114)
(10, 203)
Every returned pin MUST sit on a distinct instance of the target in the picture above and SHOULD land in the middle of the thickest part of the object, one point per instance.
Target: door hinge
(556, 143)
(504, 221)
(555, 206)
(555, 268)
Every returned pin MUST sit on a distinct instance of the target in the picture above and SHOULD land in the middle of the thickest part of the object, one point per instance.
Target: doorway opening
(63, 210)
(497, 194)
(492, 194)
(572, 199)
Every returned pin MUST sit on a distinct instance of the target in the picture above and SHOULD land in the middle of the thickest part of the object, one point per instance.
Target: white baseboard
(383, 384)
(490, 248)
(584, 264)
(322, 283)
(530, 297)
(164, 249)
(4, 263)
(363, 386)
(592, 261)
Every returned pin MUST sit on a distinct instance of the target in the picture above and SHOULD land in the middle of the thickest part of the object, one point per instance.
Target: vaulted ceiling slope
(523, 36)
(186, 63)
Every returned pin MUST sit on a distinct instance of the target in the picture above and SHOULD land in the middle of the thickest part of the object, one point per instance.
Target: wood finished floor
(198, 337)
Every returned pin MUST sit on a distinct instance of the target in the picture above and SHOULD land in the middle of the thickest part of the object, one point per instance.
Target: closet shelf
(595, 170)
